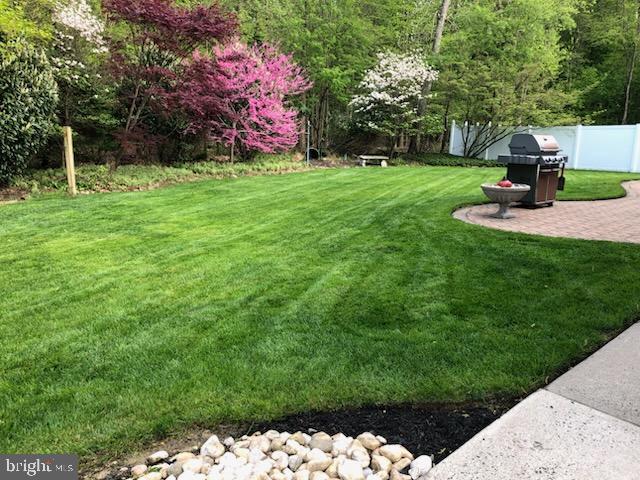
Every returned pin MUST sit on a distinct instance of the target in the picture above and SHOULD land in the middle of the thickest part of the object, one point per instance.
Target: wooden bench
(378, 160)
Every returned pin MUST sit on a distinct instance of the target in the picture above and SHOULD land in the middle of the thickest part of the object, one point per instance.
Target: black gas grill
(534, 161)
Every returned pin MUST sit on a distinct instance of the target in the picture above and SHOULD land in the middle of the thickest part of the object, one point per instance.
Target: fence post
(576, 146)
(635, 162)
(452, 136)
(69, 161)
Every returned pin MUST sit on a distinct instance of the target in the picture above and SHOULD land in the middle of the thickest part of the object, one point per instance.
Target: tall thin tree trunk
(392, 145)
(442, 18)
(414, 144)
(205, 145)
(232, 149)
(320, 118)
(307, 136)
(632, 66)
(443, 140)
(66, 122)
(302, 140)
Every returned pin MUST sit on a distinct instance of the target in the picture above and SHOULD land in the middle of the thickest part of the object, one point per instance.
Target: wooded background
(541, 62)
(511, 62)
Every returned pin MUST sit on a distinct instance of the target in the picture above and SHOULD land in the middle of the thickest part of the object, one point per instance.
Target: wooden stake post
(69, 161)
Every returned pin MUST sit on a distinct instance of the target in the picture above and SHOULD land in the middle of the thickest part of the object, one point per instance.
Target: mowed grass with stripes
(126, 317)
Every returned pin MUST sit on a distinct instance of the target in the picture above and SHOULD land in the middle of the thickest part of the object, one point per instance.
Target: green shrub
(446, 160)
(28, 98)
(98, 178)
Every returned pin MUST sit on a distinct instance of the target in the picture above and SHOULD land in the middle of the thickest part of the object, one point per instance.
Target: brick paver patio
(617, 220)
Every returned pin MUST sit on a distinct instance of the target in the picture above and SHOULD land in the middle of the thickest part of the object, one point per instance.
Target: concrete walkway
(617, 220)
(583, 426)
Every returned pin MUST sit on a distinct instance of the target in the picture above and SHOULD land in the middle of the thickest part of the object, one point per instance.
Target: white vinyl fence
(593, 147)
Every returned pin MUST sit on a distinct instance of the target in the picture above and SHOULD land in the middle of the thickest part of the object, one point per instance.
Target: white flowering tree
(78, 40)
(77, 15)
(390, 95)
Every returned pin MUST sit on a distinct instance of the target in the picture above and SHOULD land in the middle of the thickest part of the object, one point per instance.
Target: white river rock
(281, 459)
(157, 457)
(274, 455)
(321, 441)
(302, 475)
(369, 441)
(295, 461)
(420, 466)
(138, 470)
(350, 470)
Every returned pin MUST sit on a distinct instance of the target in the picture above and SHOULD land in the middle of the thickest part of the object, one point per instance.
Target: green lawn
(127, 316)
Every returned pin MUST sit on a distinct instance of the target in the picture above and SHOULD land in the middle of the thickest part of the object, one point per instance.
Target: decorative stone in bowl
(504, 196)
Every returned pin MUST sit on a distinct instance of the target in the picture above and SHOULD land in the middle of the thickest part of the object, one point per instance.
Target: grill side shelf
(533, 159)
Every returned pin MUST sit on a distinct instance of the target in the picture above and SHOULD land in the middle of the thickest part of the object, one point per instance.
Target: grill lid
(528, 144)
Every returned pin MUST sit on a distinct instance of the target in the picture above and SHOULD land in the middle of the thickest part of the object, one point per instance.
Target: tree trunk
(66, 121)
(442, 18)
(414, 144)
(302, 140)
(232, 147)
(306, 139)
(443, 140)
(320, 119)
(392, 145)
(632, 66)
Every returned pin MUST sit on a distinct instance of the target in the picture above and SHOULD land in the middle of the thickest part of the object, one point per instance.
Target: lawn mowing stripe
(317, 290)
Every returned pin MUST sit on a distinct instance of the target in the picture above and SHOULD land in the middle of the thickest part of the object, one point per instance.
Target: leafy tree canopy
(26, 18)
(28, 95)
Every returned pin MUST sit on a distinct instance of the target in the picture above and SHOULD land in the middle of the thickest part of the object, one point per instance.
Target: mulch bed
(430, 429)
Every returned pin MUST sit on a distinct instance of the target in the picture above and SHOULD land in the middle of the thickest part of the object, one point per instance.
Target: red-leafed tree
(148, 62)
(240, 97)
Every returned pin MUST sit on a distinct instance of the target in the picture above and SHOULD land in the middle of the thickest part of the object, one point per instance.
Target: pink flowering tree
(241, 96)
(151, 60)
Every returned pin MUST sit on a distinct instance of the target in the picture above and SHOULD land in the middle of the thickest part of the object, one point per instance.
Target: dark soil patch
(425, 430)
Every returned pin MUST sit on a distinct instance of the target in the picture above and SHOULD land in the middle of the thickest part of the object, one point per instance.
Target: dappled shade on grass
(131, 315)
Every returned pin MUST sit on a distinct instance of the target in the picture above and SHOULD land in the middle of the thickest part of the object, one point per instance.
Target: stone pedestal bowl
(504, 196)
